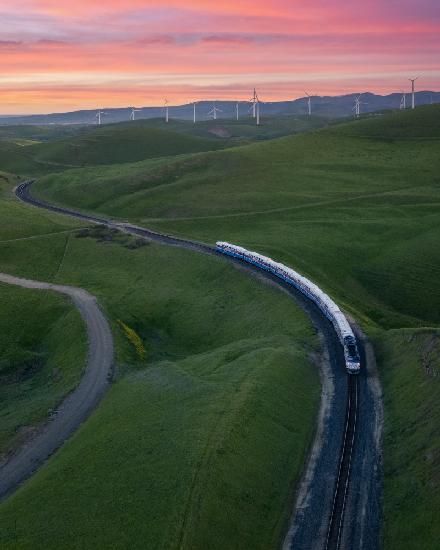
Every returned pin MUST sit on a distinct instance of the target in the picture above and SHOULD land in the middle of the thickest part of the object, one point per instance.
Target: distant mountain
(328, 106)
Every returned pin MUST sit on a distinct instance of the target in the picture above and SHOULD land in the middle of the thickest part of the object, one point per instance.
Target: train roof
(339, 317)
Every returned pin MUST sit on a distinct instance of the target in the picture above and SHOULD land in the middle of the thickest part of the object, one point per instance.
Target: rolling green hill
(214, 400)
(36, 150)
(34, 133)
(123, 142)
(357, 208)
(245, 128)
(22, 153)
(347, 212)
(18, 159)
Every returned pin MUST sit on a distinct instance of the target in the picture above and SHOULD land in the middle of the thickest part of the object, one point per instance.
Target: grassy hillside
(15, 226)
(411, 369)
(350, 214)
(243, 129)
(355, 207)
(125, 142)
(203, 435)
(36, 150)
(43, 353)
(18, 159)
(31, 133)
(42, 337)
(17, 151)
(23, 152)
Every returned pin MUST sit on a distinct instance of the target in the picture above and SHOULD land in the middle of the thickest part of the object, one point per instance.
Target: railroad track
(336, 522)
(22, 192)
(336, 518)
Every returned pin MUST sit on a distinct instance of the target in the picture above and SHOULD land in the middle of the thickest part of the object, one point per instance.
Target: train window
(352, 351)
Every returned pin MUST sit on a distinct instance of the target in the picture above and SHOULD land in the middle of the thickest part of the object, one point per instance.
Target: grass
(37, 150)
(202, 437)
(38, 133)
(410, 363)
(356, 207)
(42, 338)
(109, 144)
(243, 129)
(350, 212)
(15, 226)
(43, 353)
(124, 142)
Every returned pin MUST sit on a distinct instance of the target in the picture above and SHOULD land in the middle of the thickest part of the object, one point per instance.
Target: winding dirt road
(78, 406)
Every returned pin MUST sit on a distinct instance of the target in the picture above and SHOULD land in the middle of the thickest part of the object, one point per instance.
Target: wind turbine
(214, 111)
(133, 113)
(403, 101)
(309, 104)
(236, 110)
(413, 98)
(167, 113)
(254, 101)
(99, 114)
(357, 106)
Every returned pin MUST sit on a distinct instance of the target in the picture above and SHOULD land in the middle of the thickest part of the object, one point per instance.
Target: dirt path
(78, 406)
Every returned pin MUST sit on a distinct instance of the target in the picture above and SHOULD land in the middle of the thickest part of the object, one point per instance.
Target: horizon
(209, 100)
(137, 52)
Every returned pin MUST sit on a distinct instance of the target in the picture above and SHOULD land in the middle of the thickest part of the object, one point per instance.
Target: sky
(62, 55)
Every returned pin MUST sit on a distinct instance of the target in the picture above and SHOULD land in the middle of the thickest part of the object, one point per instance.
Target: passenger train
(313, 292)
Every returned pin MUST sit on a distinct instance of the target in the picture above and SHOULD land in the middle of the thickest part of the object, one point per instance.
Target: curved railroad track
(333, 494)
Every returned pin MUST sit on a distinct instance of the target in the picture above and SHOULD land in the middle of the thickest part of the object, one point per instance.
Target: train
(309, 289)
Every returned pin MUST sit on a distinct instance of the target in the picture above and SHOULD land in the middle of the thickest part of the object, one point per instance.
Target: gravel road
(79, 404)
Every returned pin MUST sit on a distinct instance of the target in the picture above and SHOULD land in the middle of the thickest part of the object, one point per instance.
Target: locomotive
(309, 289)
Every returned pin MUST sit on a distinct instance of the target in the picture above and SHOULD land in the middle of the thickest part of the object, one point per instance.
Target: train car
(328, 307)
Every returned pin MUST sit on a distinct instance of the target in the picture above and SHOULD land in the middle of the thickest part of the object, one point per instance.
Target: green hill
(369, 202)
(357, 208)
(201, 439)
(18, 159)
(36, 150)
(32, 133)
(24, 152)
(124, 142)
(245, 128)
(423, 123)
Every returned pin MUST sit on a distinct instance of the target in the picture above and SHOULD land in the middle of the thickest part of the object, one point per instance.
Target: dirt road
(78, 406)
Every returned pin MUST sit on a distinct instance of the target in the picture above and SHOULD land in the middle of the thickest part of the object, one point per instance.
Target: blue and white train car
(309, 289)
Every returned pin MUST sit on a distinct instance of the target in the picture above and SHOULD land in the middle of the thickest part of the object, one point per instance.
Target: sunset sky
(58, 55)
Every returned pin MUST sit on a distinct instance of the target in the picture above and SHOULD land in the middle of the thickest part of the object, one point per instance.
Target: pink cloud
(222, 46)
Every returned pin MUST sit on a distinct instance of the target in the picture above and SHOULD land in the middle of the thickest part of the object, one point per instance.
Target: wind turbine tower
(99, 114)
(413, 95)
(194, 111)
(403, 101)
(133, 113)
(258, 112)
(214, 111)
(357, 106)
(309, 104)
(254, 101)
(167, 113)
(236, 111)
